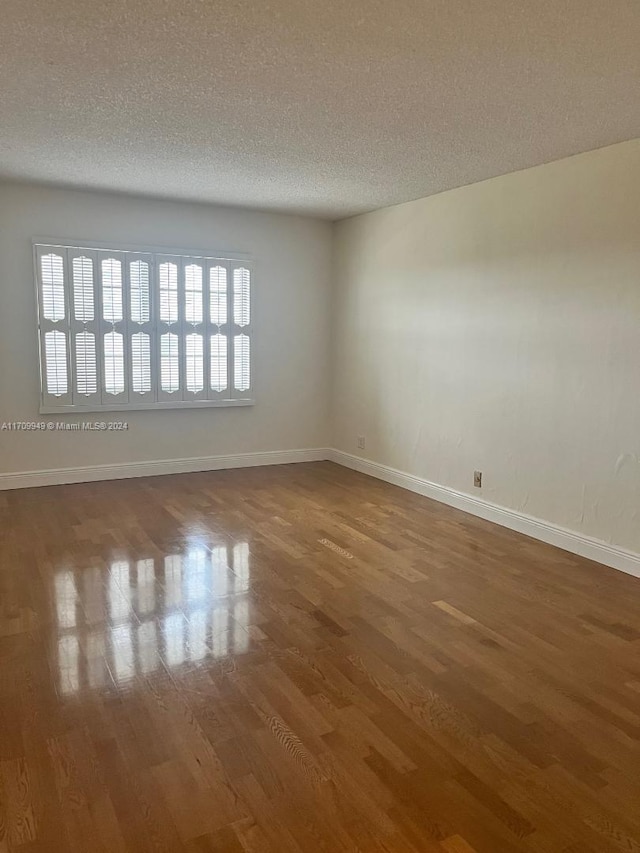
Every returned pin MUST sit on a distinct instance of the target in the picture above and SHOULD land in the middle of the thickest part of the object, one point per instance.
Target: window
(123, 329)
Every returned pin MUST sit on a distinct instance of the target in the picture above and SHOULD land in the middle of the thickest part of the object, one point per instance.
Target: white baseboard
(61, 476)
(568, 540)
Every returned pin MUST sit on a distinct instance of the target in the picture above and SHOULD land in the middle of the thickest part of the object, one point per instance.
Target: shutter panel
(217, 331)
(113, 363)
(193, 294)
(241, 297)
(218, 365)
(52, 286)
(112, 290)
(84, 323)
(83, 298)
(194, 363)
(86, 364)
(194, 328)
(113, 328)
(218, 295)
(242, 363)
(169, 363)
(241, 372)
(140, 292)
(170, 352)
(141, 363)
(140, 329)
(56, 362)
(168, 274)
(55, 357)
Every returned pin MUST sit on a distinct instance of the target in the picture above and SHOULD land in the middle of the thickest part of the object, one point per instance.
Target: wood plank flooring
(301, 658)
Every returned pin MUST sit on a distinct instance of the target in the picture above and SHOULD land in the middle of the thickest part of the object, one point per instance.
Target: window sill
(146, 407)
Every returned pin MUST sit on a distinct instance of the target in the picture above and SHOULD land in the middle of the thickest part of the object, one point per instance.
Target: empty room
(319, 427)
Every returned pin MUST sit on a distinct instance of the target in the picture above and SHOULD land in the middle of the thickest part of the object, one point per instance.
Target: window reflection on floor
(68, 660)
(66, 598)
(134, 617)
(148, 651)
(97, 672)
(146, 586)
(119, 591)
(173, 580)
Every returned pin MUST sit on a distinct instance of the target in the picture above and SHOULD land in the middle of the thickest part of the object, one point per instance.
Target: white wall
(291, 289)
(497, 327)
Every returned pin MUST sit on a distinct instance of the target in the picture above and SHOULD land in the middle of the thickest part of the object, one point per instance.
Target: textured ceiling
(327, 107)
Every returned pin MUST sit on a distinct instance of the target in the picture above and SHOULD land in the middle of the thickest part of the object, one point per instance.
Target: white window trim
(228, 398)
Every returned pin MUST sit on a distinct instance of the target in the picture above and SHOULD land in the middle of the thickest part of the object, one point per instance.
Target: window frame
(154, 255)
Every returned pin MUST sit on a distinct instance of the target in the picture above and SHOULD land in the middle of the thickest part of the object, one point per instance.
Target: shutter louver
(242, 318)
(193, 293)
(169, 363)
(83, 289)
(84, 324)
(168, 292)
(56, 363)
(112, 290)
(241, 297)
(52, 276)
(218, 368)
(113, 363)
(139, 285)
(86, 364)
(242, 362)
(141, 363)
(195, 363)
(218, 295)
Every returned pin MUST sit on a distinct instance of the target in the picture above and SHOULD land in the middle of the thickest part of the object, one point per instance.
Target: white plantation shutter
(169, 364)
(141, 329)
(194, 330)
(140, 363)
(112, 290)
(56, 363)
(169, 292)
(126, 329)
(113, 328)
(241, 297)
(195, 363)
(218, 366)
(242, 368)
(170, 329)
(140, 291)
(218, 295)
(86, 364)
(83, 301)
(218, 384)
(193, 293)
(242, 320)
(113, 363)
(53, 290)
(85, 327)
(52, 287)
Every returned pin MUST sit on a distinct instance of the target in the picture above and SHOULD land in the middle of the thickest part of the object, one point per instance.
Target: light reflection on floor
(131, 619)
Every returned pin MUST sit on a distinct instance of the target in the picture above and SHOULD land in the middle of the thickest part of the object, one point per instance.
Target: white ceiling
(326, 107)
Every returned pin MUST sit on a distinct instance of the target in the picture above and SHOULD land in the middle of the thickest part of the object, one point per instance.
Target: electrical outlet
(477, 479)
(361, 442)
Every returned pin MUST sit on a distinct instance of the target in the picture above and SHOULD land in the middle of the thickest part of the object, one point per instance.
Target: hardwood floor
(301, 658)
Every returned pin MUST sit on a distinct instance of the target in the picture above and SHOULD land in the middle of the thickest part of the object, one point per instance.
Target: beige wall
(292, 288)
(497, 327)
